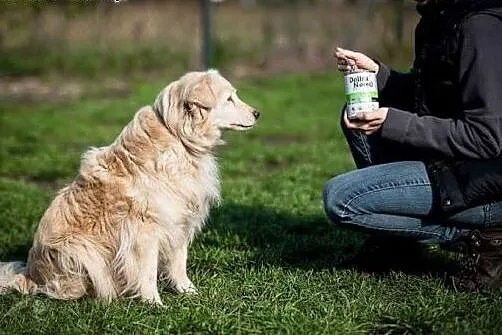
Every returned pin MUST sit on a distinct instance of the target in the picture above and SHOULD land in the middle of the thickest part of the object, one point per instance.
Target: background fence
(249, 36)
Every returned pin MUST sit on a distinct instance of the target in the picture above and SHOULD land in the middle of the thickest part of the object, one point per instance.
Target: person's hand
(368, 122)
(347, 59)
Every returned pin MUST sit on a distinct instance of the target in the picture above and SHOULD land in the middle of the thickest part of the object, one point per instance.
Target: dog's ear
(202, 93)
(167, 104)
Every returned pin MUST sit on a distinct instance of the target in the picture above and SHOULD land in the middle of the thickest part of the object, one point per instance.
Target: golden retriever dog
(128, 218)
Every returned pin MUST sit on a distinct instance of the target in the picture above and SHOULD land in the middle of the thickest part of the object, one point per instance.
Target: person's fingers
(356, 124)
(350, 54)
(344, 68)
(339, 50)
(371, 131)
(364, 126)
(373, 124)
(355, 59)
(340, 55)
(368, 116)
(345, 117)
(345, 64)
(360, 60)
(345, 61)
(350, 124)
(363, 116)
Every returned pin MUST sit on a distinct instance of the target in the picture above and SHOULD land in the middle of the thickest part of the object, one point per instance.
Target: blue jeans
(391, 194)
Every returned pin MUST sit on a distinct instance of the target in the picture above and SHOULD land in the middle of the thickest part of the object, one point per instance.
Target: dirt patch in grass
(276, 164)
(44, 184)
(37, 89)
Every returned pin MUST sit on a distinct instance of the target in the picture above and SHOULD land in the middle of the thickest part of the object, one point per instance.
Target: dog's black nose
(256, 114)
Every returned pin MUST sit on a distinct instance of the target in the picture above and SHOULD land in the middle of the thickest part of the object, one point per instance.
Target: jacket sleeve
(396, 89)
(478, 133)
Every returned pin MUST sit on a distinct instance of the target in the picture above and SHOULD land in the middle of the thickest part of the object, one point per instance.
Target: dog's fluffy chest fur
(178, 193)
(171, 185)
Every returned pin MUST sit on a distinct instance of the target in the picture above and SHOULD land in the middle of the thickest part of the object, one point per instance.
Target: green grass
(267, 262)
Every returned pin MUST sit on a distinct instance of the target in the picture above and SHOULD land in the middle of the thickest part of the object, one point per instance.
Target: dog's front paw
(185, 288)
(153, 300)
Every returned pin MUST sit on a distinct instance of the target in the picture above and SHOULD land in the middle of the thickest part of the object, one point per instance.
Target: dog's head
(199, 105)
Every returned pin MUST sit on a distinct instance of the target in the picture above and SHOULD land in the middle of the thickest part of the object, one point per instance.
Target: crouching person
(429, 160)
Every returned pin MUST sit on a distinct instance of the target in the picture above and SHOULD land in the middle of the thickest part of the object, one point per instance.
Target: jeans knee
(337, 193)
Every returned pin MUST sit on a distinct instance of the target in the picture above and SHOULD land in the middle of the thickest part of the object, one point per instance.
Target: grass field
(267, 262)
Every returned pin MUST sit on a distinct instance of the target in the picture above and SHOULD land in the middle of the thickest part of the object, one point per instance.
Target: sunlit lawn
(267, 262)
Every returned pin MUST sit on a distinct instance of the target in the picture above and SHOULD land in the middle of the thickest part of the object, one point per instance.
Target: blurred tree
(398, 19)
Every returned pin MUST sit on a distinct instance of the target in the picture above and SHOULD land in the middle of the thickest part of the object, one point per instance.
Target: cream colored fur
(129, 216)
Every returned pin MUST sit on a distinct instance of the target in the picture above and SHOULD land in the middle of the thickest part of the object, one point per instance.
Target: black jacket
(449, 107)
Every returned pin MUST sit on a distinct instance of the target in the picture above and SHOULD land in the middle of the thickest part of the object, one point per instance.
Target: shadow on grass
(312, 242)
(16, 252)
(309, 242)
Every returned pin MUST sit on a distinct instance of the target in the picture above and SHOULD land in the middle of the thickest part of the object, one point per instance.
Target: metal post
(206, 33)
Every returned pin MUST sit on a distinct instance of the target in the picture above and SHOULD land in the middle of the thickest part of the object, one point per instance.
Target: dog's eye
(230, 99)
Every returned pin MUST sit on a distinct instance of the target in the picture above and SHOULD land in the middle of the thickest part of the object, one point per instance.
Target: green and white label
(361, 92)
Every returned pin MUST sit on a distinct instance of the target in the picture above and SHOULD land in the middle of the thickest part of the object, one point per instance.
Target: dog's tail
(13, 278)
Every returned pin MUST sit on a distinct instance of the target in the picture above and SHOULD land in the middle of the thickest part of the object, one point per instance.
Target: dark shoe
(482, 260)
